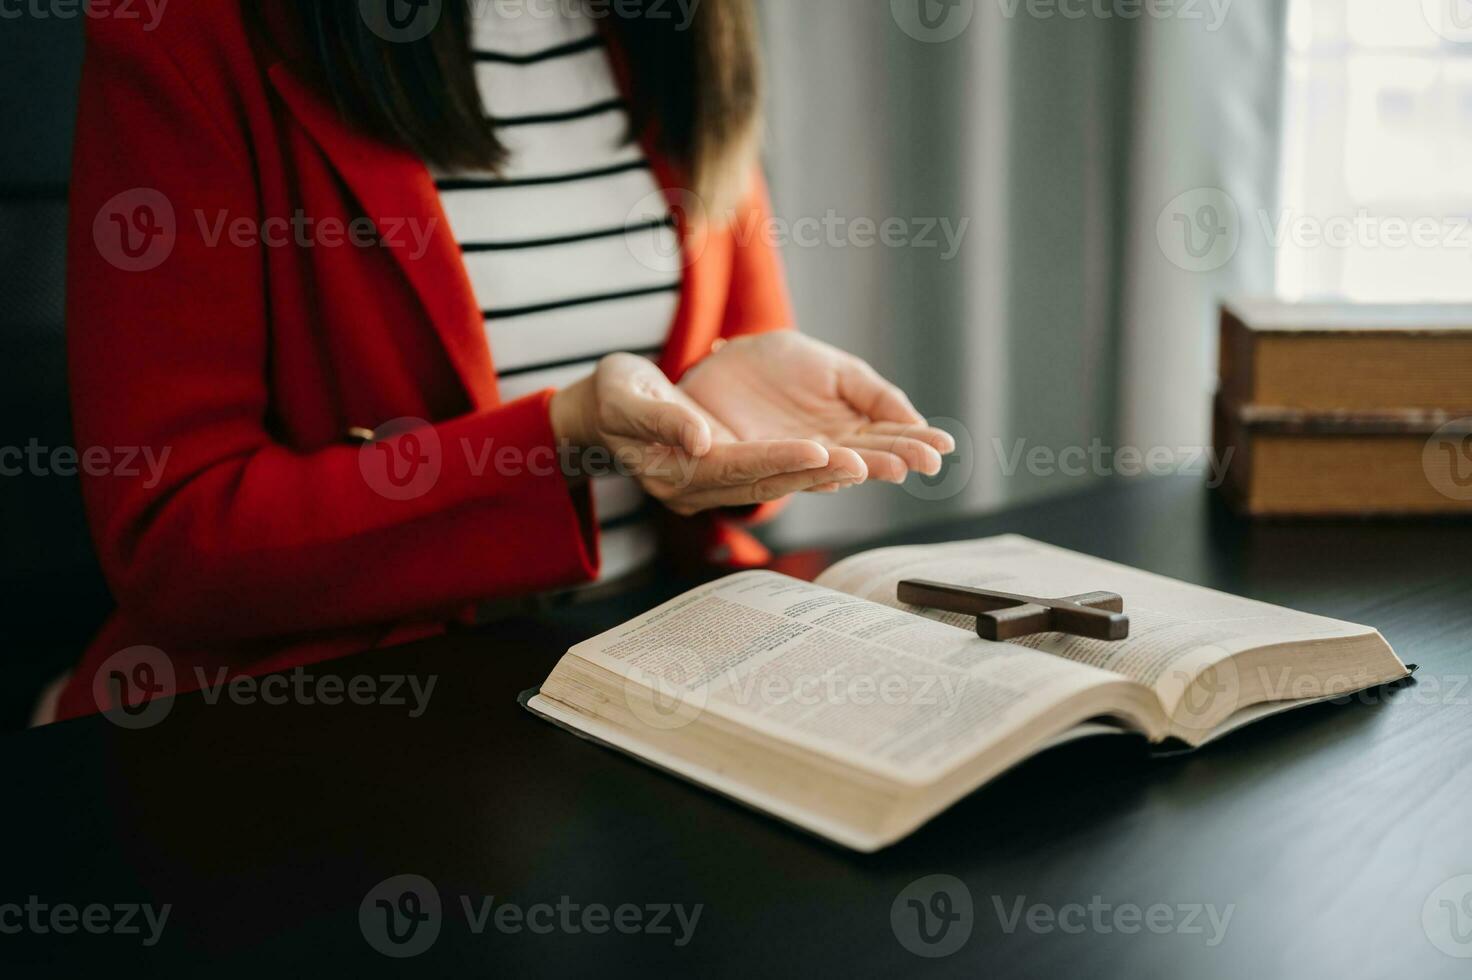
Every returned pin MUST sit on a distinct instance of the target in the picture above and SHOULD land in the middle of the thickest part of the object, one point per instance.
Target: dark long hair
(694, 87)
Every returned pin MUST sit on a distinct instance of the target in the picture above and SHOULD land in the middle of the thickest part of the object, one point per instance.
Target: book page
(871, 686)
(1176, 630)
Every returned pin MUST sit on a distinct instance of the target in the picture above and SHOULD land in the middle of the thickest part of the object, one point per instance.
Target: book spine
(1292, 464)
(1237, 370)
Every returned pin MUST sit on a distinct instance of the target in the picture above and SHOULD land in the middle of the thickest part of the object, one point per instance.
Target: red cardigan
(270, 539)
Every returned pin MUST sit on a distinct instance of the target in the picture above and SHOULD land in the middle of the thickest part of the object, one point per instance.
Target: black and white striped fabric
(571, 249)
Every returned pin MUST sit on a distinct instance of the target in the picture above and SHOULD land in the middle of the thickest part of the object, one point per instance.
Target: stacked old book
(1346, 409)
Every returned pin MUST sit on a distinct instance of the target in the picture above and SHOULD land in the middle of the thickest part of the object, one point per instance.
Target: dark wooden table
(1325, 832)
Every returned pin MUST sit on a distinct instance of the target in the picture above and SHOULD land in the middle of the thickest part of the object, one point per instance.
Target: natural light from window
(1377, 162)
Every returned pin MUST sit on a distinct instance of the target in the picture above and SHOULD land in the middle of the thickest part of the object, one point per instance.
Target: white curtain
(1055, 142)
(1207, 142)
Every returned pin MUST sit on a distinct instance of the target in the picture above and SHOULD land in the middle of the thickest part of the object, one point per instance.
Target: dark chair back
(53, 594)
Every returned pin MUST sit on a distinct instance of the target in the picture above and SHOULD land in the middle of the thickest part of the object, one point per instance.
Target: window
(1377, 161)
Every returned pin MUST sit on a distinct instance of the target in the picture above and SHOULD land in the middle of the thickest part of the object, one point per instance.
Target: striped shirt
(570, 249)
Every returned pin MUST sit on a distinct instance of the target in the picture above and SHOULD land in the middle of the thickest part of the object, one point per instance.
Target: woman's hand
(681, 456)
(787, 386)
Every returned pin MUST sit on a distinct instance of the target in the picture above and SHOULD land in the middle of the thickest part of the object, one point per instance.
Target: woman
(383, 292)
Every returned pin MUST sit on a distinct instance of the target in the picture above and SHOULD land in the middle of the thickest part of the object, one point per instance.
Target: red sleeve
(758, 301)
(237, 536)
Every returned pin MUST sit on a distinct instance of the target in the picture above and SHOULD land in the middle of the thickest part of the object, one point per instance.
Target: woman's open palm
(787, 386)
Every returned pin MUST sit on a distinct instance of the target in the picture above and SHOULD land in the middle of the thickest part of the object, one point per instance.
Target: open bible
(835, 707)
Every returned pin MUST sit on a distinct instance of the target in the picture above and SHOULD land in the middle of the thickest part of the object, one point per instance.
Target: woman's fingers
(640, 404)
(942, 441)
(848, 464)
(726, 465)
(870, 395)
(884, 466)
(908, 453)
(738, 464)
(741, 474)
(768, 490)
(645, 419)
(690, 460)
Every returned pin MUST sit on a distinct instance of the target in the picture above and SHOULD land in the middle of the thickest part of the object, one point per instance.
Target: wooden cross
(1004, 616)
